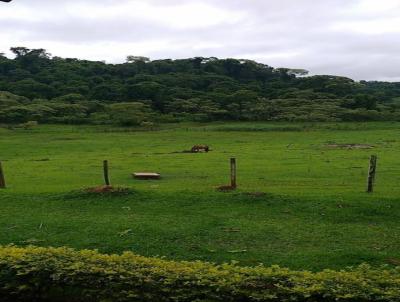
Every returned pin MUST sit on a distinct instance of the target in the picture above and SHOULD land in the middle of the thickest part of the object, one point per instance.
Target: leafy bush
(62, 274)
(29, 125)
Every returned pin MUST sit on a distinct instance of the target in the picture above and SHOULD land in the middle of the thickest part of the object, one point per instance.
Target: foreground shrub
(62, 274)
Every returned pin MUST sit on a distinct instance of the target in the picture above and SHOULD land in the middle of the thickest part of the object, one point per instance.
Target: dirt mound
(108, 189)
(225, 188)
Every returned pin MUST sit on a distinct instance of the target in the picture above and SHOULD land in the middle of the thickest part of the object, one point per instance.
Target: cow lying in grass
(200, 148)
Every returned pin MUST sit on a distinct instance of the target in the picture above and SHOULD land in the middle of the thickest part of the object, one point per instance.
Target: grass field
(314, 214)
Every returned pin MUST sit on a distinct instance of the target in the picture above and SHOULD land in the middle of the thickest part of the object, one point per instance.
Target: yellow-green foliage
(63, 274)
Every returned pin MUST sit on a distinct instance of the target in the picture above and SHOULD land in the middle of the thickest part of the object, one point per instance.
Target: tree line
(35, 86)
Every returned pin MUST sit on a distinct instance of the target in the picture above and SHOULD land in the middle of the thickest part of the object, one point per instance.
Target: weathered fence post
(106, 176)
(371, 173)
(2, 178)
(233, 173)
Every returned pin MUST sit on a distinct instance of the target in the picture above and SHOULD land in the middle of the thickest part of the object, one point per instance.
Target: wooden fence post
(233, 173)
(2, 178)
(371, 173)
(105, 170)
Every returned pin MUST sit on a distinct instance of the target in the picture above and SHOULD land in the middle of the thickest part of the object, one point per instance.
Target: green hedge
(62, 274)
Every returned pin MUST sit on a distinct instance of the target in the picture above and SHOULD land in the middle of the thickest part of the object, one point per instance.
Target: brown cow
(200, 148)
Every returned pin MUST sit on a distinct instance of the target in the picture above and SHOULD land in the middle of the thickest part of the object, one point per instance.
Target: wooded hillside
(38, 87)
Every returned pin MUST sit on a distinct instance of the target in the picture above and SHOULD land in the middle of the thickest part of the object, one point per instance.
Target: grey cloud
(310, 34)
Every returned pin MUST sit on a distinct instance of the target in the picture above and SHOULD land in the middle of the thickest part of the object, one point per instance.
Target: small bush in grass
(28, 125)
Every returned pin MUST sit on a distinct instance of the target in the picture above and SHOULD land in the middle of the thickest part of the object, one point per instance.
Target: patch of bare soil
(108, 189)
(225, 188)
(179, 152)
(350, 146)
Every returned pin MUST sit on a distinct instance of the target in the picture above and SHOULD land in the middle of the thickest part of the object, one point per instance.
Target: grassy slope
(315, 214)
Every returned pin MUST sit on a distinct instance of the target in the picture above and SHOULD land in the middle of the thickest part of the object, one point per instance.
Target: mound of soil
(108, 189)
(226, 188)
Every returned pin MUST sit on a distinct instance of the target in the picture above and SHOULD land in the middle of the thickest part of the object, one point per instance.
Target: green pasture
(301, 200)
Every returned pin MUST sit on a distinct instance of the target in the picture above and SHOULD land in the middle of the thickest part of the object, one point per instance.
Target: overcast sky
(355, 38)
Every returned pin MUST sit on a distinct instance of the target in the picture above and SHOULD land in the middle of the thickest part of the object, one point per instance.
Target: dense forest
(36, 87)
